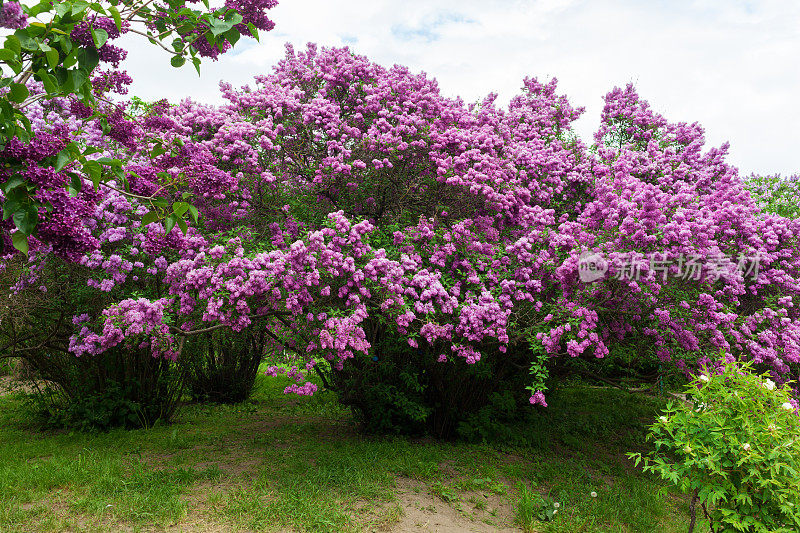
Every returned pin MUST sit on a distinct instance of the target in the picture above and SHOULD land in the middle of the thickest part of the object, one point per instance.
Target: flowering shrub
(472, 220)
(63, 143)
(735, 447)
(354, 214)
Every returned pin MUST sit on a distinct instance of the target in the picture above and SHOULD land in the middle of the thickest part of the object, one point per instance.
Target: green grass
(280, 463)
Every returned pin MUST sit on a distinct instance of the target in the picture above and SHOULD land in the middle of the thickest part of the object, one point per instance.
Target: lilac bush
(360, 218)
(64, 139)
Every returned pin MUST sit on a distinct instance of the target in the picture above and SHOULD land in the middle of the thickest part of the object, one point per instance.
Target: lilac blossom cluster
(12, 16)
(140, 321)
(82, 35)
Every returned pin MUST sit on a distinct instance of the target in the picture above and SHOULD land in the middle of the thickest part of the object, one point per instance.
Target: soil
(478, 512)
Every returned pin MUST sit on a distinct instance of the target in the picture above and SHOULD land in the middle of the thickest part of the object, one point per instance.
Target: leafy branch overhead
(64, 50)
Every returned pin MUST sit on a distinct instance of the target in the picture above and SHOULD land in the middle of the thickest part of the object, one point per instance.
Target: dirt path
(476, 512)
(9, 384)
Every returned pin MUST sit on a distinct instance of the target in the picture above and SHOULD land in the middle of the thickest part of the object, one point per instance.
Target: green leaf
(63, 157)
(24, 133)
(158, 150)
(71, 59)
(26, 219)
(169, 223)
(94, 171)
(233, 16)
(16, 66)
(183, 225)
(12, 183)
(15, 201)
(88, 58)
(91, 150)
(219, 27)
(75, 80)
(98, 8)
(20, 242)
(115, 15)
(79, 7)
(52, 58)
(99, 36)
(232, 36)
(149, 218)
(177, 61)
(179, 208)
(13, 44)
(253, 31)
(184, 29)
(61, 8)
(75, 182)
(41, 7)
(48, 80)
(26, 42)
(18, 93)
(7, 55)
(193, 212)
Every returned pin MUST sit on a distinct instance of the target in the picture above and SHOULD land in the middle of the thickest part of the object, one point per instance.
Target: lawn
(279, 463)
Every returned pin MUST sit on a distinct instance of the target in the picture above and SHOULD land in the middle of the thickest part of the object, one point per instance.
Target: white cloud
(724, 63)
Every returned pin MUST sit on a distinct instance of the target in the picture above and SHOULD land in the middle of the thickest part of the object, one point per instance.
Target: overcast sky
(731, 65)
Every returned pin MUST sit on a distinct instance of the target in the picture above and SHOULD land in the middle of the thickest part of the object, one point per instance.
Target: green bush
(735, 448)
(102, 410)
(495, 421)
(118, 388)
(397, 389)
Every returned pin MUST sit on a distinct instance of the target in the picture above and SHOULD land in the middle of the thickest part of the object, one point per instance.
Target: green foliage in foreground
(278, 463)
(736, 449)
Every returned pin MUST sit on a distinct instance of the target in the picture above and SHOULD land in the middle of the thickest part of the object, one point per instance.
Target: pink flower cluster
(12, 16)
(136, 319)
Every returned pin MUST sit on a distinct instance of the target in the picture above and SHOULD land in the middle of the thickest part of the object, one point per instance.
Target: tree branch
(178, 331)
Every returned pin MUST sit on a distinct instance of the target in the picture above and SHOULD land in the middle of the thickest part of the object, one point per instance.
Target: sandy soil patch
(472, 511)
